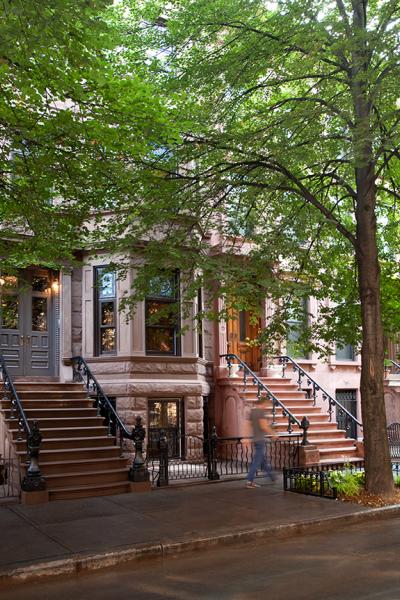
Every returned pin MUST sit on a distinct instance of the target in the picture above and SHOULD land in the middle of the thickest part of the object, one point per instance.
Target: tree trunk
(378, 472)
(379, 478)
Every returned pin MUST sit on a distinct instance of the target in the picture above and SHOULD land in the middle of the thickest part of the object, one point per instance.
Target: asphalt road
(358, 562)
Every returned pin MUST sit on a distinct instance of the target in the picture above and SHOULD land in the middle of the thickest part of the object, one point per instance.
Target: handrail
(82, 372)
(284, 360)
(15, 400)
(395, 364)
(292, 420)
(33, 480)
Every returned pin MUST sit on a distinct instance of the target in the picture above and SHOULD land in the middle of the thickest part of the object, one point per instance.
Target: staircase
(332, 443)
(77, 457)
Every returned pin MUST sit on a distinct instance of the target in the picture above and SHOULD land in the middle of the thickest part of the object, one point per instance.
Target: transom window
(106, 308)
(162, 315)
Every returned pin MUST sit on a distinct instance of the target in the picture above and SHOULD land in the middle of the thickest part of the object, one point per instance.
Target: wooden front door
(27, 323)
(241, 331)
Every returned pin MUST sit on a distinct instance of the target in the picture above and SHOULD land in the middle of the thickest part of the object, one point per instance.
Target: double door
(27, 322)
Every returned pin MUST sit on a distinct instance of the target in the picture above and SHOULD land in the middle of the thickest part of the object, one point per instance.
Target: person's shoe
(251, 484)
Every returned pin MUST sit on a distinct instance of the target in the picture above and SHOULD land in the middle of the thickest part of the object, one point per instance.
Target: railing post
(139, 471)
(163, 449)
(212, 455)
(305, 424)
(33, 480)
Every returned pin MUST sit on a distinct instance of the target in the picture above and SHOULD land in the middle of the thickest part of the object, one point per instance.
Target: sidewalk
(68, 536)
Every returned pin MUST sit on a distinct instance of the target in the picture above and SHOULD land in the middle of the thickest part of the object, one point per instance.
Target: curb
(79, 563)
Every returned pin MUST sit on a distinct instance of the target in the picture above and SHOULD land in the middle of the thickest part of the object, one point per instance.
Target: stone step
(78, 466)
(45, 387)
(73, 454)
(78, 394)
(64, 480)
(337, 452)
(331, 442)
(74, 432)
(70, 443)
(43, 403)
(280, 394)
(87, 491)
(62, 423)
(57, 413)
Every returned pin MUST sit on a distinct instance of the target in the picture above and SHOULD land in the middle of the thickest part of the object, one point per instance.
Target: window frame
(98, 303)
(158, 326)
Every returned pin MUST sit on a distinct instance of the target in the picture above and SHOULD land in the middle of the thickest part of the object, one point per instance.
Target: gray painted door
(27, 323)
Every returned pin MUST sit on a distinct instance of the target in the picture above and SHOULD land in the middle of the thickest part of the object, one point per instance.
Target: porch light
(55, 286)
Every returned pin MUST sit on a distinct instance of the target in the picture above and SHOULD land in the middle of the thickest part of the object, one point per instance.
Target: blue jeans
(259, 462)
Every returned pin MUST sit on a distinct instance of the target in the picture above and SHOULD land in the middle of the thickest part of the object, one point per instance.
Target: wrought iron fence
(10, 482)
(214, 458)
(308, 481)
(315, 480)
(393, 433)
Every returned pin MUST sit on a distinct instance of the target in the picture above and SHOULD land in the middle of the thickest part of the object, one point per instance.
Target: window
(297, 326)
(106, 308)
(162, 318)
(345, 352)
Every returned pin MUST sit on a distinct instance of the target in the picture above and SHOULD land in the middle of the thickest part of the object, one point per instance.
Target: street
(360, 561)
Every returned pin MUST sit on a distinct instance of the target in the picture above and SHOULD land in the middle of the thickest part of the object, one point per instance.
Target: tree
(289, 115)
(72, 117)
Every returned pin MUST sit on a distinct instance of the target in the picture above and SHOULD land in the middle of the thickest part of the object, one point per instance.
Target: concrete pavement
(70, 536)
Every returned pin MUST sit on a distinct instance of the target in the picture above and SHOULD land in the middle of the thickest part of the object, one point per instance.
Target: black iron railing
(263, 390)
(10, 484)
(33, 480)
(304, 378)
(393, 433)
(309, 482)
(216, 458)
(395, 366)
(115, 426)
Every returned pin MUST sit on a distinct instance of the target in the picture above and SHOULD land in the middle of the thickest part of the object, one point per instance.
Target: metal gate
(348, 399)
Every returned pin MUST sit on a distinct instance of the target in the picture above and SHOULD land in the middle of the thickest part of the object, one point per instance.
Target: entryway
(166, 414)
(242, 328)
(28, 322)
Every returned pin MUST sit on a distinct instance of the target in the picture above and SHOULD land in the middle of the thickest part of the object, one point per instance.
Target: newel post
(139, 472)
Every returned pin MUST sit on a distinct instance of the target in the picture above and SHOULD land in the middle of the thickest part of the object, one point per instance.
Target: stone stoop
(77, 457)
(331, 442)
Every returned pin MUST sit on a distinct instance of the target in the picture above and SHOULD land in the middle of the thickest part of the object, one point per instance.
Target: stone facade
(135, 379)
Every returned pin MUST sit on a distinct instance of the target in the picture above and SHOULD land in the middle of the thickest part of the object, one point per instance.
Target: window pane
(9, 312)
(40, 284)
(106, 283)
(107, 313)
(107, 341)
(172, 414)
(160, 313)
(9, 281)
(162, 286)
(160, 340)
(155, 417)
(345, 352)
(39, 314)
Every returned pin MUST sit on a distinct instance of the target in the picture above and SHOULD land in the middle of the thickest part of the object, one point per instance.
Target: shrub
(347, 482)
